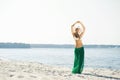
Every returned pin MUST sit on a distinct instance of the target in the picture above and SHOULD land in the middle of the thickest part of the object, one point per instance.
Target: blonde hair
(76, 33)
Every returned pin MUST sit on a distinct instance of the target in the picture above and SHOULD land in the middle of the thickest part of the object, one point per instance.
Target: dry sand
(18, 70)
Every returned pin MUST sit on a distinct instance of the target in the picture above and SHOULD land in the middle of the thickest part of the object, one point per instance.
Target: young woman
(79, 49)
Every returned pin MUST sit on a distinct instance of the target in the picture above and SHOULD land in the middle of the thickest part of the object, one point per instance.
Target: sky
(49, 21)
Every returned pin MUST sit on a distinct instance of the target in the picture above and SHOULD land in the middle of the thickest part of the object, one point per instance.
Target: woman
(79, 49)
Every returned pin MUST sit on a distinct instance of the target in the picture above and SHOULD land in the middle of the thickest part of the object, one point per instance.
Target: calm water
(94, 57)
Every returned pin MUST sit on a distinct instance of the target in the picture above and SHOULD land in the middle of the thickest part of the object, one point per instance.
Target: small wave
(3, 59)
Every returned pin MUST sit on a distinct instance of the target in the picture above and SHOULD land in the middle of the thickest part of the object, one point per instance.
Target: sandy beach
(18, 70)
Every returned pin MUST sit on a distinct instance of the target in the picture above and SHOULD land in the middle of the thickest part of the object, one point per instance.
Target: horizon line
(56, 43)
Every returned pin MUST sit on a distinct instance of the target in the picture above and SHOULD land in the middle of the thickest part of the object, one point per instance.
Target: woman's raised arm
(72, 30)
(83, 29)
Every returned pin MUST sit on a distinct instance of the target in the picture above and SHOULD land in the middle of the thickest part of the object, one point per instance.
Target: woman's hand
(78, 22)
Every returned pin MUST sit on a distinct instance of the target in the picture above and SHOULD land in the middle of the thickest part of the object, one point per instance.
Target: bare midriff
(78, 43)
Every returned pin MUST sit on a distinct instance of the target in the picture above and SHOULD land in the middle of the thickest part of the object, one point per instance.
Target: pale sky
(49, 21)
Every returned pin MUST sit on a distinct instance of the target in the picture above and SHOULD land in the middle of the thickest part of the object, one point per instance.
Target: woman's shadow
(97, 75)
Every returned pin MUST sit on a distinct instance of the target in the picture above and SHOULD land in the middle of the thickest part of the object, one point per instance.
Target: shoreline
(24, 70)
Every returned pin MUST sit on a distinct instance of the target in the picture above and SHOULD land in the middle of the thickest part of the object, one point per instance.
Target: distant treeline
(71, 46)
(102, 46)
(23, 45)
(14, 45)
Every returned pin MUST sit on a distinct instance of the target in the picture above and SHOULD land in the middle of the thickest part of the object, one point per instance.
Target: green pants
(78, 60)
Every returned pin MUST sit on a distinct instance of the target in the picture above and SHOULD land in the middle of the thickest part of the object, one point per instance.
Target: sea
(94, 57)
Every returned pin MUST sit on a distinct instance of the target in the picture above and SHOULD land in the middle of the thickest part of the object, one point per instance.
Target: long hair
(76, 33)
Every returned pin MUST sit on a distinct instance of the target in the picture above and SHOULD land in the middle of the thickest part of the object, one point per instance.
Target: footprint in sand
(12, 70)
(20, 76)
(11, 75)
(33, 76)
